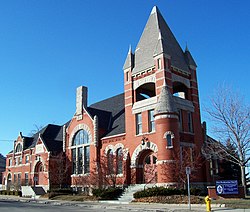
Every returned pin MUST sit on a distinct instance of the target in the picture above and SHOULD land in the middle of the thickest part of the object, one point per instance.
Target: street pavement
(19, 204)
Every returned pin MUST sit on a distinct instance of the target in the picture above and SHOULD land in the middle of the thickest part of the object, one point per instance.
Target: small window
(27, 159)
(159, 63)
(190, 122)
(138, 123)
(127, 76)
(151, 121)
(10, 162)
(169, 140)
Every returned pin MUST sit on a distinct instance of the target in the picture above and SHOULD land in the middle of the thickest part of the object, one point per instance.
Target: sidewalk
(129, 207)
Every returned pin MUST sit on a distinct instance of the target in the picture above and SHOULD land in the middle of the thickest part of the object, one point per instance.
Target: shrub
(162, 191)
(108, 194)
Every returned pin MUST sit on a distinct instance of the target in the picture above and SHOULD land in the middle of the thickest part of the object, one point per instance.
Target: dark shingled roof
(157, 37)
(111, 114)
(2, 162)
(52, 136)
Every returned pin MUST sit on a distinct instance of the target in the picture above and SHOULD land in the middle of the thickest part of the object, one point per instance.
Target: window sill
(146, 133)
(114, 175)
(80, 175)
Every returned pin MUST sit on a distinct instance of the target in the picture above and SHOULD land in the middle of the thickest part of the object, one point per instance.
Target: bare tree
(59, 170)
(185, 157)
(36, 129)
(231, 120)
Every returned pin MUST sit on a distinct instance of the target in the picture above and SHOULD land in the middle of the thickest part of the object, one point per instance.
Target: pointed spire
(188, 57)
(157, 38)
(130, 49)
(129, 60)
(154, 10)
(165, 102)
(186, 49)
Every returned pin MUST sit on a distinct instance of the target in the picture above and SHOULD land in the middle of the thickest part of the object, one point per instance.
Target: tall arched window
(18, 148)
(119, 158)
(80, 152)
(110, 162)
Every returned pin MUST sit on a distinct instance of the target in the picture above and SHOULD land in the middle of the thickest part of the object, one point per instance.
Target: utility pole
(188, 172)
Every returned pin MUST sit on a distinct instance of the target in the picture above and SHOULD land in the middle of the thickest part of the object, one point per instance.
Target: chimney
(81, 99)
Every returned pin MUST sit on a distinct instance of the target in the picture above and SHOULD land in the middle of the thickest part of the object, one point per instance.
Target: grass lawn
(233, 203)
(74, 198)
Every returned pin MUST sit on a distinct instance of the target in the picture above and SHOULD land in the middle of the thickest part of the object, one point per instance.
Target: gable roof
(52, 136)
(156, 37)
(111, 114)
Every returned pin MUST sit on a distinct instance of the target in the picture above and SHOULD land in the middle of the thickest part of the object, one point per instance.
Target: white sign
(188, 170)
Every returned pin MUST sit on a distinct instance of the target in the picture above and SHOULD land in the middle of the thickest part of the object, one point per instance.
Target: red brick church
(148, 134)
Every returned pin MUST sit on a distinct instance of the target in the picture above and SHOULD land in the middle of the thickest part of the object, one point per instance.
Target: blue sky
(48, 48)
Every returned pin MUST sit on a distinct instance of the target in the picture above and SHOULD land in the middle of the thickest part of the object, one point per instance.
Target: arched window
(18, 148)
(81, 137)
(110, 162)
(145, 91)
(80, 153)
(9, 177)
(119, 159)
(180, 90)
(169, 136)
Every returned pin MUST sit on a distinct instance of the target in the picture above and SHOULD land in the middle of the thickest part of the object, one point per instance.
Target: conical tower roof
(165, 102)
(149, 44)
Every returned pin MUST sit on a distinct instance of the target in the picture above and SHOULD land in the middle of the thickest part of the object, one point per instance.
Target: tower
(161, 102)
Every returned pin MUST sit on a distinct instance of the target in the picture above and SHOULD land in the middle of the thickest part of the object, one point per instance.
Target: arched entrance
(8, 181)
(39, 175)
(147, 168)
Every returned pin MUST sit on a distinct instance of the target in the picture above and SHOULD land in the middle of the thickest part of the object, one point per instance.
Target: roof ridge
(106, 99)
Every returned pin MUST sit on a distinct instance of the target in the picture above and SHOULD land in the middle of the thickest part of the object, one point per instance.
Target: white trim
(144, 80)
(148, 145)
(165, 161)
(78, 128)
(112, 136)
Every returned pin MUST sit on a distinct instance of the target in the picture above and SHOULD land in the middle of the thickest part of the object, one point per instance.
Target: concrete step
(127, 196)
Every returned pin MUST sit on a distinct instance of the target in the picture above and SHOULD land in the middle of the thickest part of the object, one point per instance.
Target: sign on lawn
(227, 187)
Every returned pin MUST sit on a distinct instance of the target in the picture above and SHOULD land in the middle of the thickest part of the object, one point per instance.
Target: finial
(153, 10)
(130, 49)
(186, 50)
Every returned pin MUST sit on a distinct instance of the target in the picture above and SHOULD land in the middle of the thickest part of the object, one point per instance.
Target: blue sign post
(227, 187)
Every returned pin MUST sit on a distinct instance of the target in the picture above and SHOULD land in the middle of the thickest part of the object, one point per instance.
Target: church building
(148, 134)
